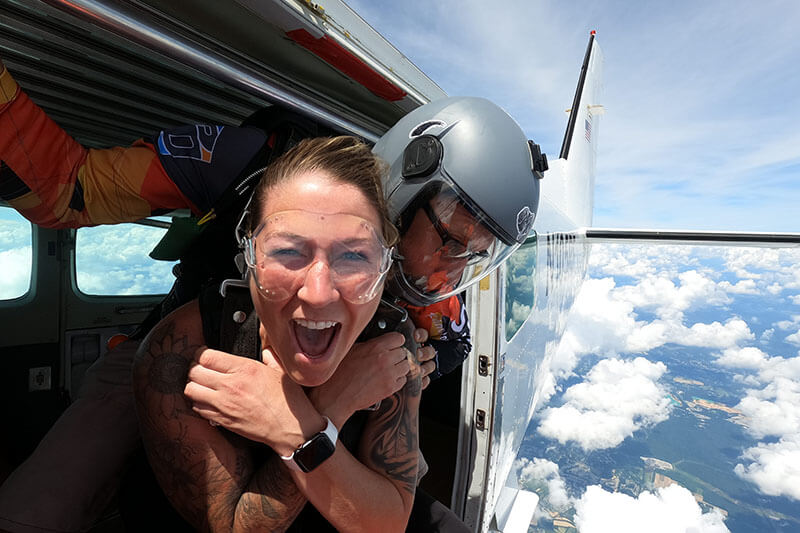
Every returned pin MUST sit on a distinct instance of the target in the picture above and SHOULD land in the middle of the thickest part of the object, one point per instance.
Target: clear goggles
(461, 247)
(288, 245)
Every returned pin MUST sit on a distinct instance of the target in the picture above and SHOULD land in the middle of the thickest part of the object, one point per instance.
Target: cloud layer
(643, 297)
(114, 260)
(615, 399)
(15, 255)
(772, 409)
(542, 476)
(664, 511)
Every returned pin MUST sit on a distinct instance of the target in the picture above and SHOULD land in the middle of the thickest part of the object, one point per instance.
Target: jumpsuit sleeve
(55, 182)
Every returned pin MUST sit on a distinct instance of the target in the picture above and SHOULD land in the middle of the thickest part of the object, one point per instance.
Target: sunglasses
(451, 247)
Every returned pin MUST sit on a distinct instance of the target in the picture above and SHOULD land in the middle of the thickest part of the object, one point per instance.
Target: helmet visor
(287, 245)
(448, 246)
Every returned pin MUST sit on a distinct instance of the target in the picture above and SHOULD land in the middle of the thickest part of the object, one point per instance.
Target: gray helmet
(464, 177)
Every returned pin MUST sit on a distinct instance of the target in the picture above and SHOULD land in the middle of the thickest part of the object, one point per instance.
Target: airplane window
(15, 254)
(114, 261)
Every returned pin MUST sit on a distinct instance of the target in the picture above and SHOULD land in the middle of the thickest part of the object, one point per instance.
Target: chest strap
(230, 323)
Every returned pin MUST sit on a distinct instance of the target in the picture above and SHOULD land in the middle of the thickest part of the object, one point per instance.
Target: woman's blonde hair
(345, 159)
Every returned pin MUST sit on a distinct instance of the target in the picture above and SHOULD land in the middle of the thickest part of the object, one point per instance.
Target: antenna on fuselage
(576, 101)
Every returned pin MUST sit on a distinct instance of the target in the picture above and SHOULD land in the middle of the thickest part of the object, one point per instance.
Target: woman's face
(311, 327)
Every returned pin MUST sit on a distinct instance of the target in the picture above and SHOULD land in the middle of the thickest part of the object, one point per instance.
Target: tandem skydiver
(462, 189)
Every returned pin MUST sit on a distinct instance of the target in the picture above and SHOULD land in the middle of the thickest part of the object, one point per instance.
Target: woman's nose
(318, 289)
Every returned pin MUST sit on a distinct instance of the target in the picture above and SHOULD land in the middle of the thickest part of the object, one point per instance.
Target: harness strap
(230, 324)
(239, 324)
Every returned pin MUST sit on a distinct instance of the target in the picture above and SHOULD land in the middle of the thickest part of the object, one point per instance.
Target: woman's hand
(370, 372)
(254, 399)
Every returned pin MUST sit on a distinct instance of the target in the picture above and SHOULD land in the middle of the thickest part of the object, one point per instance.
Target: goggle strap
(223, 287)
(239, 232)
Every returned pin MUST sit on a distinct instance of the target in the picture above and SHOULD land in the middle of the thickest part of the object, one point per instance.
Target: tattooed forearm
(414, 384)
(272, 500)
(391, 438)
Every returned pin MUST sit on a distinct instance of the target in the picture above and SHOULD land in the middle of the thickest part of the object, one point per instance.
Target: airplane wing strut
(711, 238)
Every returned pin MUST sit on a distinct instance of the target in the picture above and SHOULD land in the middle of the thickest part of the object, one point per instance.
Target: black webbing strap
(230, 324)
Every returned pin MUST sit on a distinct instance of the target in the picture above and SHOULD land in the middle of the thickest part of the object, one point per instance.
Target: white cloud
(751, 358)
(660, 293)
(15, 232)
(604, 319)
(788, 324)
(758, 271)
(794, 338)
(745, 286)
(715, 335)
(617, 398)
(773, 467)
(15, 265)
(773, 269)
(639, 260)
(542, 476)
(775, 409)
(778, 368)
(774, 289)
(15, 254)
(600, 322)
(770, 411)
(668, 510)
(666, 285)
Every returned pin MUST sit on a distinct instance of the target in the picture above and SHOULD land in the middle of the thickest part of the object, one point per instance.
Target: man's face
(435, 259)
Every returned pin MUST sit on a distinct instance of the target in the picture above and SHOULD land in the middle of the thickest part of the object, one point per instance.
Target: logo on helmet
(419, 129)
(524, 222)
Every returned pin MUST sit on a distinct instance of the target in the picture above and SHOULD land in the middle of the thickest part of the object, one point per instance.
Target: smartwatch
(315, 450)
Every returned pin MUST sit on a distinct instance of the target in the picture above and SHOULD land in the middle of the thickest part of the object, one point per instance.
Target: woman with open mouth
(318, 248)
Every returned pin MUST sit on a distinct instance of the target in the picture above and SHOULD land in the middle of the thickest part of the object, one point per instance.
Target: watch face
(314, 452)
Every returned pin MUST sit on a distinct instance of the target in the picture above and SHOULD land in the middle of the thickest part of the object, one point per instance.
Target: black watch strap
(315, 450)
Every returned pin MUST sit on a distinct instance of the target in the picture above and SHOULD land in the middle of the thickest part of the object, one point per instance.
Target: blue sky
(701, 98)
